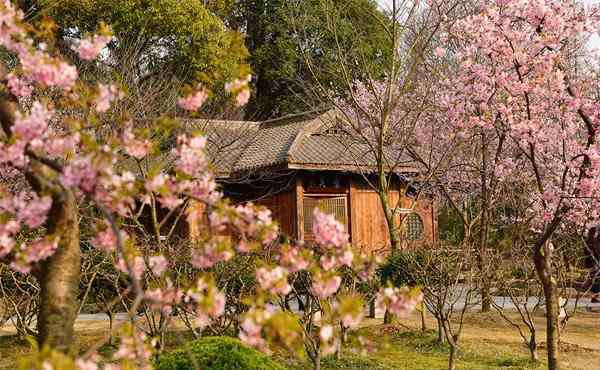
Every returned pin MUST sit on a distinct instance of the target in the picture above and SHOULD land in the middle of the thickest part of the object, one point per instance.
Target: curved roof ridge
(313, 126)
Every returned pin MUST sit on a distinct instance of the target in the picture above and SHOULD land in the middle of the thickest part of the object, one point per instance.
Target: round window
(413, 227)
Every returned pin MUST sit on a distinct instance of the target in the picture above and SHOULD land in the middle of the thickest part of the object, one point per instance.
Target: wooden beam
(299, 208)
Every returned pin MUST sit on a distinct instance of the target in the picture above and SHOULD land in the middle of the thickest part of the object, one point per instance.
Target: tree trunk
(389, 219)
(317, 360)
(543, 264)
(423, 323)
(371, 309)
(532, 345)
(387, 317)
(452, 357)
(110, 327)
(59, 276)
(440, 331)
(486, 300)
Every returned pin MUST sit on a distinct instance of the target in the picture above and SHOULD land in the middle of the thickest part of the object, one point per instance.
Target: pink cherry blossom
(399, 301)
(136, 264)
(273, 280)
(158, 264)
(242, 97)
(86, 364)
(80, 173)
(105, 239)
(18, 86)
(294, 259)
(250, 333)
(33, 124)
(134, 147)
(40, 250)
(107, 94)
(193, 101)
(89, 48)
(209, 254)
(326, 333)
(191, 159)
(324, 286)
(328, 231)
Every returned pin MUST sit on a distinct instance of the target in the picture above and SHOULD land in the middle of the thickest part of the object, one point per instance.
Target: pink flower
(242, 97)
(209, 254)
(251, 334)
(399, 301)
(40, 250)
(328, 231)
(80, 173)
(194, 101)
(133, 146)
(86, 364)
(191, 159)
(107, 95)
(105, 240)
(19, 87)
(90, 47)
(34, 124)
(47, 71)
(326, 333)
(136, 264)
(273, 280)
(325, 286)
(293, 259)
(158, 264)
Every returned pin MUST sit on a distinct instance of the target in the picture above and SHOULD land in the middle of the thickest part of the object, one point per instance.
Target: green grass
(402, 349)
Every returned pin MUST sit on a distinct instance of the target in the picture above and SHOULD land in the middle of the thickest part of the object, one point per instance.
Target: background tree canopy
(280, 31)
(162, 44)
(178, 39)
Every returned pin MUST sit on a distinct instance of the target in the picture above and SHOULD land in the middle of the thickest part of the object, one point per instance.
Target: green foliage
(179, 38)
(276, 31)
(216, 353)
(399, 267)
(450, 226)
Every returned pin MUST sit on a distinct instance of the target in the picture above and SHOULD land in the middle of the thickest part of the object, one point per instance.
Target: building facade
(295, 164)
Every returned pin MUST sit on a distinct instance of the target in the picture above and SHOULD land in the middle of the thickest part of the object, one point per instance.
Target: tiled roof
(294, 142)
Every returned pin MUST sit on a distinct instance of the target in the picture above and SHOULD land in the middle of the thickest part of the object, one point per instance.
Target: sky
(594, 42)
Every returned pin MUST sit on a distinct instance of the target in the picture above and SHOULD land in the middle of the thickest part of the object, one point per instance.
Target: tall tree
(157, 47)
(278, 32)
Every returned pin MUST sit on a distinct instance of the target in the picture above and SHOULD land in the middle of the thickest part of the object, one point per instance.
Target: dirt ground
(487, 342)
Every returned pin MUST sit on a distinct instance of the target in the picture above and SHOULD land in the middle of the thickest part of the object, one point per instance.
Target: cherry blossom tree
(518, 73)
(63, 150)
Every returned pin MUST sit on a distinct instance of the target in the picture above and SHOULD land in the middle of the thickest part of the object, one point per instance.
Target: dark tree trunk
(423, 323)
(543, 264)
(440, 331)
(532, 345)
(482, 260)
(372, 309)
(387, 317)
(59, 276)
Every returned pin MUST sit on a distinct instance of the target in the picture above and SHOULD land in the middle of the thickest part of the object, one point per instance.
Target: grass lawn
(487, 343)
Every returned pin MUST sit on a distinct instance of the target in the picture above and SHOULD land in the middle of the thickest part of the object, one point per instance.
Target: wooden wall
(369, 227)
(283, 207)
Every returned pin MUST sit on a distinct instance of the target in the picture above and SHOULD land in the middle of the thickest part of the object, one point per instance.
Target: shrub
(216, 353)
(399, 268)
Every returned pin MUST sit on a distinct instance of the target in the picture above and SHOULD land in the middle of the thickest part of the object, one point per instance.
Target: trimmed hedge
(216, 353)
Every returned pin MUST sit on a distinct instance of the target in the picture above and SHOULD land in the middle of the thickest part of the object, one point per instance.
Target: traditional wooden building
(296, 163)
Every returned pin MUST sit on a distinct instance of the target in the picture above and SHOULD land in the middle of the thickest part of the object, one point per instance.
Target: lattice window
(336, 206)
(413, 227)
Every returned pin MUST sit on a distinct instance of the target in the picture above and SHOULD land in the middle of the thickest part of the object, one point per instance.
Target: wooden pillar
(353, 217)
(299, 209)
